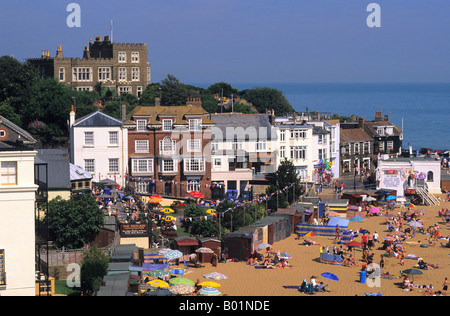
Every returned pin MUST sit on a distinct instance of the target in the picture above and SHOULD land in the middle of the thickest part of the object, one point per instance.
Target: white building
(243, 151)
(409, 176)
(17, 211)
(99, 144)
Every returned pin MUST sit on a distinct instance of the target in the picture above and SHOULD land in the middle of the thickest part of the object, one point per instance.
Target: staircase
(427, 198)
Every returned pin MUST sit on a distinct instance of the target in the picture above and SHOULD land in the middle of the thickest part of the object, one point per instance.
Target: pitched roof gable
(97, 119)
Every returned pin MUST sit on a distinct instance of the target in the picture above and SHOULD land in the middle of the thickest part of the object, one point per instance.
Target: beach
(246, 280)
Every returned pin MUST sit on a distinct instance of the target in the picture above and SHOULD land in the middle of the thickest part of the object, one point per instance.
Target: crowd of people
(269, 260)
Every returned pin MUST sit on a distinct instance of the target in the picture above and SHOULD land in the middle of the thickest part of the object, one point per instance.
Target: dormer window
(141, 125)
(194, 124)
(167, 125)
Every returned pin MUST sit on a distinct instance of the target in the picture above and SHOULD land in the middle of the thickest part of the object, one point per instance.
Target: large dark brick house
(119, 66)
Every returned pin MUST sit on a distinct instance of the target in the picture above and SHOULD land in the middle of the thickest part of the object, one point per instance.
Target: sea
(421, 109)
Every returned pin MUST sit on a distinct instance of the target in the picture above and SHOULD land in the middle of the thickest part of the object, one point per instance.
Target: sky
(248, 41)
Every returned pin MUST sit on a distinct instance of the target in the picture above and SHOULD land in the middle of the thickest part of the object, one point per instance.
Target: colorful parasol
(158, 283)
(209, 291)
(196, 194)
(182, 289)
(215, 276)
(181, 280)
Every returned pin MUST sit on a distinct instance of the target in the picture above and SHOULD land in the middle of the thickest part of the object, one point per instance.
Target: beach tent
(342, 222)
(319, 230)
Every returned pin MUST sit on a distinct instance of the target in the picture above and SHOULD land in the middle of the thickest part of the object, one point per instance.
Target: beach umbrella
(374, 210)
(204, 250)
(389, 238)
(157, 273)
(181, 280)
(262, 246)
(412, 272)
(209, 291)
(158, 283)
(356, 219)
(173, 254)
(169, 218)
(182, 289)
(284, 255)
(330, 276)
(196, 194)
(209, 284)
(215, 276)
(414, 224)
(369, 199)
(391, 197)
(310, 234)
(167, 210)
(211, 211)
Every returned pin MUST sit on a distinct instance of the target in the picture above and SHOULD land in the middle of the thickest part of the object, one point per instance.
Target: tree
(285, 176)
(74, 222)
(174, 93)
(152, 91)
(94, 267)
(264, 98)
(223, 89)
(204, 227)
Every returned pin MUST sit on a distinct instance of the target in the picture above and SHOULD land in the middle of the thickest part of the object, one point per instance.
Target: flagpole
(111, 30)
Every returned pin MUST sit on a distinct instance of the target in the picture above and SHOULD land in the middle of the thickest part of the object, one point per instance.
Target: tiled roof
(354, 135)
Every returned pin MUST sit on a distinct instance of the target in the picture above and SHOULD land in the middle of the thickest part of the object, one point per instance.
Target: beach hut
(295, 217)
(211, 243)
(338, 206)
(185, 244)
(240, 243)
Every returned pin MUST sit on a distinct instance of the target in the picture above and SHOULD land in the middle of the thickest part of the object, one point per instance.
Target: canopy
(374, 210)
(391, 197)
(336, 221)
(354, 243)
(209, 284)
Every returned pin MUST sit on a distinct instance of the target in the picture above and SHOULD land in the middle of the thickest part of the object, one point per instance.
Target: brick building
(119, 66)
(169, 149)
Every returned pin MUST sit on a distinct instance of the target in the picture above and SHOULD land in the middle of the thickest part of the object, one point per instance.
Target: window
(142, 165)
(148, 75)
(61, 74)
(167, 125)
(104, 73)
(141, 146)
(122, 74)
(282, 135)
(167, 146)
(8, 173)
(322, 154)
(193, 185)
(141, 125)
(2, 267)
(390, 145)
(282, 151)
(113, 164)
(114, 138)
(261, 145)
(366, 148)
(298, 134)
(139, 91)
(194, 124)
(194, 145)
(389, 130)
(89, 165)
(381, 146)
(218, 162)
(356, 147)
(122, 57)
(430, 176)
(135, 57)
(89, 138)
(82, 74)
(298, 152)
(135, 74)
(237, 145)
(124, 90)
(321, 139)
(168, 165)
(194, 164)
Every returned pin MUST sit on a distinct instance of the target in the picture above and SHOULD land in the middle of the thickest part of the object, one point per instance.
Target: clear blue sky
(247, 41)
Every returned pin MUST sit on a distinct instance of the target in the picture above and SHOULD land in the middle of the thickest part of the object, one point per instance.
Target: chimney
(378, 117)
(59, 52)
(361, 122)
(157, 102)
(124, 112)
(386, 118)
(72, 116)
(86, 54)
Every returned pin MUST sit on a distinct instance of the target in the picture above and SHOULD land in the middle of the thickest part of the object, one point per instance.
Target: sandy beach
(246, 280)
